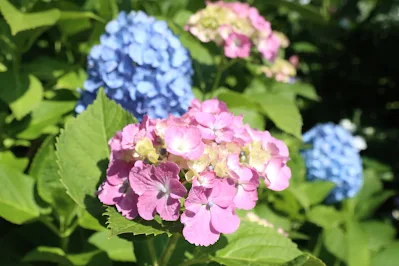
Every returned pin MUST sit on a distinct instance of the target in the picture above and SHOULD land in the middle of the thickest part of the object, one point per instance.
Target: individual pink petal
(118, 171)
(224, 220)
(166, 171)
(168, 208)
(278, 175)
(197, 152)
(223, 193)
(207, 133)
(128, 136)
(207, 179)
(109, 194)
(140, 179)
(197, 228)
(205, 119)
(196, 198)
(127, 204)
(245, 200)
(213, 106)
(176, 189)
(223, 120)
(184, 141)
(147, 204)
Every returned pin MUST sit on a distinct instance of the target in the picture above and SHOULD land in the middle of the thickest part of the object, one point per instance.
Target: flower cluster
(141, 65)
(235, 26)
(207, 154)
(281, 70)
(333, 157)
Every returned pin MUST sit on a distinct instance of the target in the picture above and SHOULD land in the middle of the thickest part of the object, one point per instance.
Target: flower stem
(195, 261)
(170, 248)
(151, 249)
(219, 72)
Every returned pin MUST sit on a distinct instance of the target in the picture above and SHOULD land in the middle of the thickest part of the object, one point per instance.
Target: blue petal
(136, 53)
(112, 27)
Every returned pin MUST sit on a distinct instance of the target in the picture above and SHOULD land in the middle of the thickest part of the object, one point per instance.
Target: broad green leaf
(306, 90)
(379, 234)
(253, 118)
(282, 111)
(3, 67)
(237, 100)
(117, 248)
(76, 15)
(313, 261)
(254, 244)
(304, 47)
(48, 113)
(357, 244)
(82, 148)
(8, 158)
(335, 242)
(263, 211)
(316, 191)
(48, 254)
(120, 225)
(89, 222)
(325, 216)
(301, 197)
(387, 257)
(44, 168)
(17, 203)
(72, 80)
(22, 93)
(19, 21)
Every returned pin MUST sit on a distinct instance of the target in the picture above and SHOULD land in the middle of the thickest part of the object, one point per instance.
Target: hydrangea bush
(209, 154)
(333, 157)
(141, 65)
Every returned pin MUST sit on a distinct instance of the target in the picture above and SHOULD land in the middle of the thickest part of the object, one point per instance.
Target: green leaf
(236, 100)
(120, 225)
(253, 244)
(44, 168)
(325, 216)
(313, 261)
(387, 257)
(72, 80)
(316, 191)
(379, 234)
(87, 221)
(48, 254)
(306, 90)
(17, 203)
(117, 248)
(282, 111)
(253, 118)
(48, 113)
(22, 93)
(91, 258)
(82, 148)
(263, 211)
(8, 158)
(335, 242)
(19, 21)
(304, 47)
(357, 244)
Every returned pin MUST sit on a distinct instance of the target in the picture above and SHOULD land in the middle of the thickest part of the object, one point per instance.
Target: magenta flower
(237, 45)
(259, 22)
(247, 182)
(278, 174)
(209, 212)
(130, 135)
(159, 190)
(116, 189)
(215, 127)
(185, 141)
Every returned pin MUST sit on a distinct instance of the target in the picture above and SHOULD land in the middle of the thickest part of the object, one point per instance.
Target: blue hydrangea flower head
(141, 65)
(333, 157)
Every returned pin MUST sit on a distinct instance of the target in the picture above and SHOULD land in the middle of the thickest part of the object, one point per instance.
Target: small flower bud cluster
(208, 157)
(235, 26)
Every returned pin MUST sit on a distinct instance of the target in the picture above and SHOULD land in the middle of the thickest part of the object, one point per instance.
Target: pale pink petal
(205, 119)
(207, 133)
(168, 208)
(251, 184)
(197, 152)
(197, 229)
(176, 189)
(206, 179)
(147, 204)
(223, 193)
(245, 200)
(127, 204)
(223, 120)
(278, 175)
(128, 136)
(224, 220)
(213, 106)
(196, 198)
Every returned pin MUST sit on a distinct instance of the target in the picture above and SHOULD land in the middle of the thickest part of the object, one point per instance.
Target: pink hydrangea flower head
(237, 45)
(247, 182)
(259, 22)
(269, 47)
(209, 212)
(159, 190)
(206, 179)
(184, 141)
